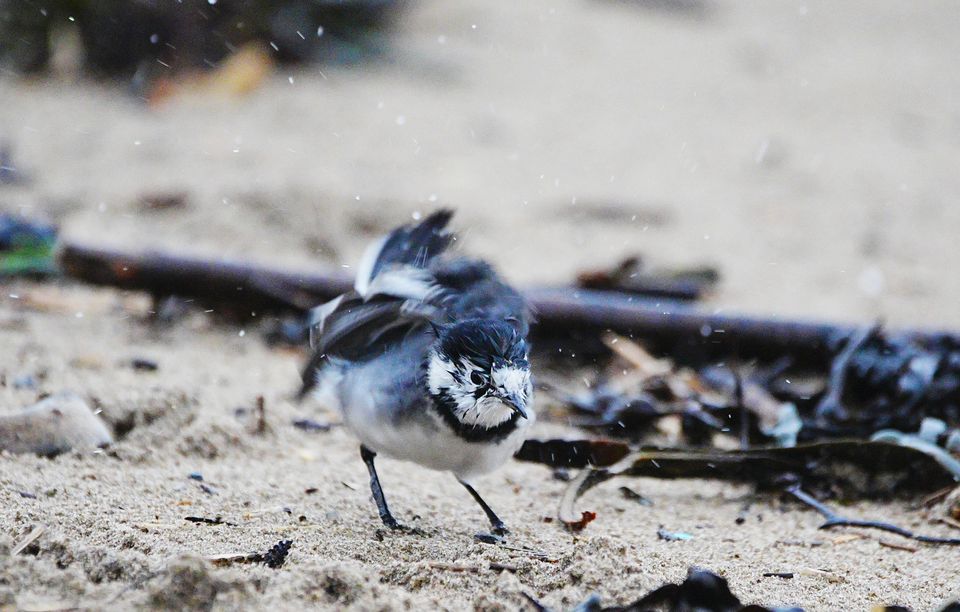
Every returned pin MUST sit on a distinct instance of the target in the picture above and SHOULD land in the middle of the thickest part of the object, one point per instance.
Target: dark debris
(702, 591)
(277, 555)
(202, 520)
(142, 364)
(311, 425)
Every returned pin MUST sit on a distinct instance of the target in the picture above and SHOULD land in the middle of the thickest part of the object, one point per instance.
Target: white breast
(424, 440)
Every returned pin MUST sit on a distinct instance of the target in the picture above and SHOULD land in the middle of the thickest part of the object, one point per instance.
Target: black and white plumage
(427, 359)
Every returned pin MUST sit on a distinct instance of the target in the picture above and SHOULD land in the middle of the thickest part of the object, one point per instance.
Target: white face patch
(512, 381)
(488, 410)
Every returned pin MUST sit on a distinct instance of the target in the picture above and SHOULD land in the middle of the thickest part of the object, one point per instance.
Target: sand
(806, 149)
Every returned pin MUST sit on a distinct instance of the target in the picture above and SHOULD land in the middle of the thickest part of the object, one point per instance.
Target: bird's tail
(408, 245)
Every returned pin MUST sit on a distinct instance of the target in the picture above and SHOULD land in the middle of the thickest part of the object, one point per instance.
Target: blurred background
(806, 150)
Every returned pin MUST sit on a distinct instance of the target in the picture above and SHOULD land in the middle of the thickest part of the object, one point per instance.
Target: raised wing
(394, 295)
(411, 246)
(403, 288)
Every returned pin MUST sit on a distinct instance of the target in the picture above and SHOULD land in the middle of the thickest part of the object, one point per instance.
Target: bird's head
(478, 371)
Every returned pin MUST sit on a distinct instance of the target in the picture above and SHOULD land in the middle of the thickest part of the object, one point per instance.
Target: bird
(426, 359)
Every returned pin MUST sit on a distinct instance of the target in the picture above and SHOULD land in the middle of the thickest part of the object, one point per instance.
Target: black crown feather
(483, 342)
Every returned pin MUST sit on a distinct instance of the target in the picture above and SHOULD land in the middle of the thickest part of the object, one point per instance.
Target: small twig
(261, 426)
(936, 496)
(744, 413)
(533, 601)
(632, 495)
(584, 481)
(208, 521)
(454, 567)
(153, 525)
(503, 567)
(898, 545)
(785, 575)
(835, 520)
(533, 553)
(637, 356)
(946, 520)
(31, 537)
(629, 276)
(831, 404)
(311, 425)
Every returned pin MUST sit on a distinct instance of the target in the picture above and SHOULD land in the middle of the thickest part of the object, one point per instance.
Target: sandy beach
(808, 150)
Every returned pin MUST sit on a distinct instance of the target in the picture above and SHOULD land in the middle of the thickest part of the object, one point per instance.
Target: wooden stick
(562, 313)
(214, 282)
(669, 322)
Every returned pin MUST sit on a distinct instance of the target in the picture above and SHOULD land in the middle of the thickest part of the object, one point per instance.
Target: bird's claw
(497, 535)
(392, 524)
(489, 538)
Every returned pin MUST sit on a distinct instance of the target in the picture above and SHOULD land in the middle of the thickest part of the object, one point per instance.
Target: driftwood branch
(214, 282)
(561, 313)
(856, 468)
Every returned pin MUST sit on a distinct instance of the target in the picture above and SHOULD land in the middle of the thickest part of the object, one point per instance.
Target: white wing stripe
(404, 282)
(318, 317)
(367, 262)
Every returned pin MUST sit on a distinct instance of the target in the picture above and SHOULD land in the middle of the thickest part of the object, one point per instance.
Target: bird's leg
(497, 525)
(367, 455)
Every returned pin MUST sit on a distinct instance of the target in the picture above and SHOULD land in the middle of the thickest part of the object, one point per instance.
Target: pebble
(52, 426)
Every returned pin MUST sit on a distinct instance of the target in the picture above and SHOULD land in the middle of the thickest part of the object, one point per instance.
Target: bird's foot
(489, 538)
(400, 530)
(391, 523)
(498, 534)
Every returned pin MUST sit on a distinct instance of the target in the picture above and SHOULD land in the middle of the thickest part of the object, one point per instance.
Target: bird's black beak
(516, 404)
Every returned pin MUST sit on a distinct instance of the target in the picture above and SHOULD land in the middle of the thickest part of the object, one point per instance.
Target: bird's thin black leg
(498, 527)
(367, 455)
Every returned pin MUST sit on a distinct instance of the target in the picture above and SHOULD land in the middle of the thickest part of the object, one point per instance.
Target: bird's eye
(476, 378)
